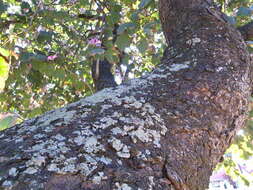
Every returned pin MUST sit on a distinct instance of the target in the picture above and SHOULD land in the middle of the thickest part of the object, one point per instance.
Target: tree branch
(90, 17)
(247, 31)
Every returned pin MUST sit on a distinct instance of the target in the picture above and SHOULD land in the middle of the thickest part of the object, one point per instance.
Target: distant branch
(7, 23)
(90, 17)
(4, 57)
(247, 31)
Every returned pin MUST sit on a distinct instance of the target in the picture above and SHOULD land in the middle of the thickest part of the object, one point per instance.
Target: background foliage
(46, 57)
(36, 30)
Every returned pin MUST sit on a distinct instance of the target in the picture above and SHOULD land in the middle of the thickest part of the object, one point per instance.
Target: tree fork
(164, 131)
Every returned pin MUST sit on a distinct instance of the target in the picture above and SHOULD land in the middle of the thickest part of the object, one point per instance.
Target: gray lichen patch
(104, 108)
(53, 168)
(31, 170)
(151, 182)
(47, 121)
(118, 130)
(13, 172)
(148, 108)
(36, 161)
(7, 184)
(89, 142)
(193, 41)
(139, 129)
(121, 149)
(39, 136)
(122, 186)
(158, 76)
(66, 168)
(136, 105)
(146, 135)
(61, 113)
(80, 140)
(92, 145)
(59, 137)
(64, 165)
(87, 168)
(99, 177)
(179, 66)
(117, 144)
(124, 152)
(50, 146)
(69, 168)
(132, 120)
(113, 95)
(106, 122)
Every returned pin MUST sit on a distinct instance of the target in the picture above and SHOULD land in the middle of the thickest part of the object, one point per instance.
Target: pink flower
(26, 10)
(52, 57)
(95, 41)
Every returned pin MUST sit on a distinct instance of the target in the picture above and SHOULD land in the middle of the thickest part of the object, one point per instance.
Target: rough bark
(164, 131)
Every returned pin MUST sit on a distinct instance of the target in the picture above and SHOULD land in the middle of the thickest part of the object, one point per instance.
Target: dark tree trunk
(165, 131)
(102, 75)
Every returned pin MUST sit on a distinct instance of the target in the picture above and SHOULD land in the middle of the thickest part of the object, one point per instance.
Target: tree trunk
(164, 131)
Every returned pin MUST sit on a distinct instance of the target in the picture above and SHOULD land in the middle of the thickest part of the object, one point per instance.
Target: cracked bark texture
(164, 131)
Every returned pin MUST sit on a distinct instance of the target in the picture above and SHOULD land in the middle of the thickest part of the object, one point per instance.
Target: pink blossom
(26, 10)
(52, 57)
(95, 41)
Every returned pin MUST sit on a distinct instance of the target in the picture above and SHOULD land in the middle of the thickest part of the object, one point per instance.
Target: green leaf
(60, 74)
(117, 8)
(244, 11)
(35, 112)
(4, 68)
(36, 78)
(47, 69)
(135, 15)
(148, 28)
(123, 41)
(97, 51)
(125, 60)
(112, 56)
(84, 2)
(63, 1)
(155, 59)
(4, 52)
(7, 122)
(45, 36)
(144, 4)
(25, 5)
(113, 19)
(2, 7)
(79, 85)
(230, 19)
(126, 26)
(128, 2)
(27, 57)
(142, 45)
